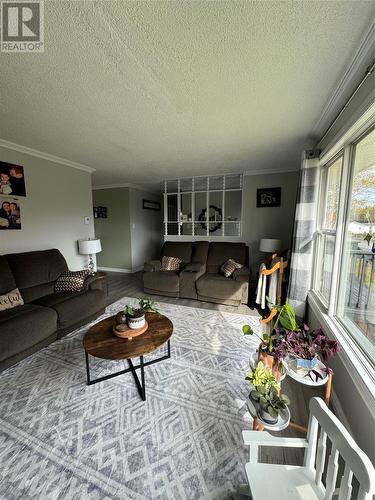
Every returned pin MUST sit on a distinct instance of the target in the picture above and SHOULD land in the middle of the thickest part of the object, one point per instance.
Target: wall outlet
(86, 219)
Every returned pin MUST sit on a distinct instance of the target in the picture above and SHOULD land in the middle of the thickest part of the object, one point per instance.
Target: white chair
(289, 482)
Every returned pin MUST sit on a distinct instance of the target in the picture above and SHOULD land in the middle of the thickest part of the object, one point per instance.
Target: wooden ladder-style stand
(279, 267)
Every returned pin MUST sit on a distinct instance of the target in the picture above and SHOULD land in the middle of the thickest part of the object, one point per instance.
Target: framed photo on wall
(268, 197)
(151, 205)
(10, 214)
(12, 180)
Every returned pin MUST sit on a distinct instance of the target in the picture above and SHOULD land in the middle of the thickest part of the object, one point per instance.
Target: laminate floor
(130, 285)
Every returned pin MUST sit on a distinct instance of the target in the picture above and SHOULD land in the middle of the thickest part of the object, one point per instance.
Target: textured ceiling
(146, 90)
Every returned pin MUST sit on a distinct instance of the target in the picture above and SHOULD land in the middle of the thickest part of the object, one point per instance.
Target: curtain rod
(368, 72)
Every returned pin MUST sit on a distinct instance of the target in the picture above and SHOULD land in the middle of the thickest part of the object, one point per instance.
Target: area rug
(62, 439)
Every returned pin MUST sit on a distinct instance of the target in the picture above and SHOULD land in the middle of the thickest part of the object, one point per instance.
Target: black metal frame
(141, 385)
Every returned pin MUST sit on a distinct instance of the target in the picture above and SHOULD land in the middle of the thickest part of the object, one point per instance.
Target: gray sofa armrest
(242, 274)
(153, 265)
(94, 282)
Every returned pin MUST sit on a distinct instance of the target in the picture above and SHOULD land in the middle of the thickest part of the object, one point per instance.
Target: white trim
(339, 412)
(189, 237)
(120, 270)
(139, 187)
(276, 170)
(357, 366)
(45, 156)
(341, 139)
(347, 81)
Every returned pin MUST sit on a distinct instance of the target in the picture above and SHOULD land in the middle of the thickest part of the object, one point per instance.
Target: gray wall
(359, 416)
(146, 228)
(131, 234)
(274, 222)
(58, 198)
(114, 232)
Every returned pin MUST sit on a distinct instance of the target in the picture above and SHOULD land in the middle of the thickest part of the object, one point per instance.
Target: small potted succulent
(271, 403)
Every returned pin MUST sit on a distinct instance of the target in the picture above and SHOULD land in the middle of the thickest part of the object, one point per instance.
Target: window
(326, 236)
(203, 206)
(356, 298)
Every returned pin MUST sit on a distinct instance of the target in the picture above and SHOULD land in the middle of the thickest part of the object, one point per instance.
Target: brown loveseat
(199, 276)
(45, 316)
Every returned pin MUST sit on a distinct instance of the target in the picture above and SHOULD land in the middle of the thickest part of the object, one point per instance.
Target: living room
(187, 245)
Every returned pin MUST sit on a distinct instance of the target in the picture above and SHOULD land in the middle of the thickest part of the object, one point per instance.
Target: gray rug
(60, 438)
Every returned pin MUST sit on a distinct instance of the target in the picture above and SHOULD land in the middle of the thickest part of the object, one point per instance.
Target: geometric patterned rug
(62, 439)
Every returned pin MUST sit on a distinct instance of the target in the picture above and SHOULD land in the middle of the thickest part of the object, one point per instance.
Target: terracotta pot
(270, 361)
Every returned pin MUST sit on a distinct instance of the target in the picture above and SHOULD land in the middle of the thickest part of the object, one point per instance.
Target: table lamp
(269, 245)
(89, 247)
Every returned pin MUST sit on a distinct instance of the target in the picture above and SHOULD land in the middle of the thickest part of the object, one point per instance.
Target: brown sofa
(45, 316)
(199, 276)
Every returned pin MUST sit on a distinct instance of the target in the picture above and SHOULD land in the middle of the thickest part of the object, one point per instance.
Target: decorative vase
(135, 323)
(120, 318)
(266, 417)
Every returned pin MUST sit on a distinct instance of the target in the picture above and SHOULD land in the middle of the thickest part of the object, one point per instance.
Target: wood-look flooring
(118, 285)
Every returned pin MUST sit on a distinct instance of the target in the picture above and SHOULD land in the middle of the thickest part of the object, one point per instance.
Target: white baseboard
(120, 270)
(339, 412)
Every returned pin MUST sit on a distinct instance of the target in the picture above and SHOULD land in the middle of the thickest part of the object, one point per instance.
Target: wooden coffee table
(101, 342)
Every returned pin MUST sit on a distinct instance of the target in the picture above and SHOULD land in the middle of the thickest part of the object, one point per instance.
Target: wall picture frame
(12, 179)
(268, 197)
(151, 205)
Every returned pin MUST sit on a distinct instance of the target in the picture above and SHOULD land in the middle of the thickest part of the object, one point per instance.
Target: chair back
(326, 435)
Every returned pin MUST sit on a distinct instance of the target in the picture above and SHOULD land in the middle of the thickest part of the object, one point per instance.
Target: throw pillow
(71, 281)
(10, 300)
(228, 268)
(170, 263)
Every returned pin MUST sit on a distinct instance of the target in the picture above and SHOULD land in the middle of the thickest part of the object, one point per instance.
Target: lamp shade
(88, 247)
(269, 245)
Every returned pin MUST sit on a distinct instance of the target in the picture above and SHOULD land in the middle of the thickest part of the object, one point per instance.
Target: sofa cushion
(7, 281)
(200, 251)
(24, 326)
(170, 264)
(162, 281)
(72, 307)
(35, 271)
(228, 268)
(179, 249)
(11, 299)
(220, 252)
(71, 281)
(217, 286)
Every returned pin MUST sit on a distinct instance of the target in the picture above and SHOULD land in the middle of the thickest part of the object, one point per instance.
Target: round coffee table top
(101, 342)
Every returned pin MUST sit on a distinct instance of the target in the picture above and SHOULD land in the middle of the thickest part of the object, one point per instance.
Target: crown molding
(139, 187)
(348, 81)
(45, 156)
(279, 170)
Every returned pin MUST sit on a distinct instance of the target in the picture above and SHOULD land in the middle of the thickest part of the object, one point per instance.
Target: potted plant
(135, 316)
(305, 346)
(262, 378)
(271, 404)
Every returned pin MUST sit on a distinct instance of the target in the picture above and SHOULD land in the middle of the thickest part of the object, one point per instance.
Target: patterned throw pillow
(10, 300)
(170, 263)
(71, 281)
(228, 268)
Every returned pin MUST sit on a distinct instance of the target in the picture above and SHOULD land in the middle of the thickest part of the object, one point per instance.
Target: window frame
(328, 310)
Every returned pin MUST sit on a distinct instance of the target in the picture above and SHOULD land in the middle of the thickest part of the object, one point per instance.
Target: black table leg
(87, 367)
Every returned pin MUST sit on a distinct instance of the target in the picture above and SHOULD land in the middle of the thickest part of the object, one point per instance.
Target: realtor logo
(22, 26)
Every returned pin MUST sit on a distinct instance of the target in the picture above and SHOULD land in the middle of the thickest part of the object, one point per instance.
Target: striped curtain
(301, 262)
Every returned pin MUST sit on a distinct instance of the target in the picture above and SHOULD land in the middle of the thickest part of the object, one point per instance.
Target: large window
(356, 305)
(345, 243)
(326, 236)
(203, 206)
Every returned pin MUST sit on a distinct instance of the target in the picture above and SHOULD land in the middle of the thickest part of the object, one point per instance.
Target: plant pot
(135, 323)
(307, 364)
(270, 362)
(266, 417)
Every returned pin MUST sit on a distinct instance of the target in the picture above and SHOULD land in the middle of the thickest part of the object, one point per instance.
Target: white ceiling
(147, 90)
